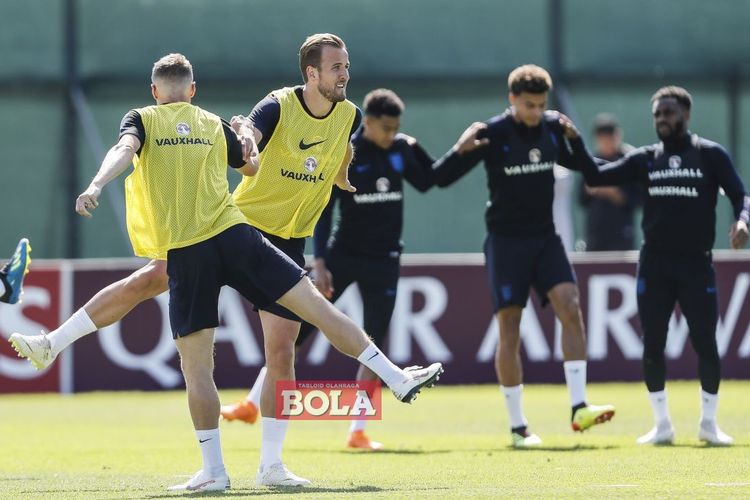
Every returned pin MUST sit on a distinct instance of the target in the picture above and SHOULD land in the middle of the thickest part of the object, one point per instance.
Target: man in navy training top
(682, 174)
(520, 148)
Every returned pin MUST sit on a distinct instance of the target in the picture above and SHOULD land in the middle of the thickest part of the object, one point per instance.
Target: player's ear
(512, 98)
(312, 73)
(154, 92)
(192, 90)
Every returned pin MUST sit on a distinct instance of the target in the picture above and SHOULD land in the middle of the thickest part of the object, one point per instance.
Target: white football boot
(36, 348)
(710, 433)
(406, 391)
(525, 440)
(278, 475)
(203, 482)
(662, 433)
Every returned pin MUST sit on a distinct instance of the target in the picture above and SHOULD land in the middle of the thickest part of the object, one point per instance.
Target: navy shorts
(377, 279)
(514, 265)
(239, 257)
(294, 248)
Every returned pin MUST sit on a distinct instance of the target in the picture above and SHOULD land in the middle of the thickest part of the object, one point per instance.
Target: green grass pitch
(451, 443)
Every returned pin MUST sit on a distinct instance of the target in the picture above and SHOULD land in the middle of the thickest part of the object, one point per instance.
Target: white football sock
(709, 404)
(73, 329)
(513, 396)
(210, 443)
(575, 378)
(357, 425)
(376, 361)
(254, 395)
(274, 432)
(660, 406)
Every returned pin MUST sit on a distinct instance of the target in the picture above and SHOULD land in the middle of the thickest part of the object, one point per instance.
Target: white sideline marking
(724, 485)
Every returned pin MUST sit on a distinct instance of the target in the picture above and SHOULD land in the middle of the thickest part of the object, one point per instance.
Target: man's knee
(280, 356)
(707, 350)
(148, 281)
(509, 321)
(653, 356)
(569, 308)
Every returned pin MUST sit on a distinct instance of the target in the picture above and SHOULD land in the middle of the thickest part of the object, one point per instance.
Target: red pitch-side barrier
(442, 313)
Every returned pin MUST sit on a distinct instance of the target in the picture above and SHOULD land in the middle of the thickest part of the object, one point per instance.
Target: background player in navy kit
(610, 209)
(519, 149)
(366, 244)
(683, 174)
(365, 247)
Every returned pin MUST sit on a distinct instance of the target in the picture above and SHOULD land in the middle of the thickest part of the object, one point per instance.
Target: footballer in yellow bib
(298, 166)
(178, 193)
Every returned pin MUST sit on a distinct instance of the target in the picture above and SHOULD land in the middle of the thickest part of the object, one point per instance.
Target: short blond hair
(529, 78)
(174, 69)
(312, 48)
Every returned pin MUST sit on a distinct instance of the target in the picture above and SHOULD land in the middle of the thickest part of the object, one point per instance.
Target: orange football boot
(358, 439)
(243, 410)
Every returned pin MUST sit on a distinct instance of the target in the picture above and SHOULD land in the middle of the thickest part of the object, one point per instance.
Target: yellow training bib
(297, 168)
(178, 194)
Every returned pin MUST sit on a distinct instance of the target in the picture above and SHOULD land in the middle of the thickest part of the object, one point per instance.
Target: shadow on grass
(280, 490)
(404, 451)
(574, 447)
(407, 451)
(702, 446)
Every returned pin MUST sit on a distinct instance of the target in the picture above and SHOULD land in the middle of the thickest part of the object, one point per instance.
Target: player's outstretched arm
(726, 173)
(342, 176)
(117, 160)
(462, 157)
(418, 166)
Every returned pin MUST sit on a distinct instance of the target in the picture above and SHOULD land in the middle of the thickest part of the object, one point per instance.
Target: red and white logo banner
(329, 400)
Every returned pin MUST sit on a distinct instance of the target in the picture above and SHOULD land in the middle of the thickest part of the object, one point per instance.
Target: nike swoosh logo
(368, 359)
(304, 146)
(200, 485)
(204, 440)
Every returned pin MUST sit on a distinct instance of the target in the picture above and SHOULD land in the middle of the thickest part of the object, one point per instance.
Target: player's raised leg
(108, 306)
(565, 302)
(308, 303)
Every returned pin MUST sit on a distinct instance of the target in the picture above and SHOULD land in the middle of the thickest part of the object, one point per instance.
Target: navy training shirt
(519, 161)
(682, 180)
(371, 219)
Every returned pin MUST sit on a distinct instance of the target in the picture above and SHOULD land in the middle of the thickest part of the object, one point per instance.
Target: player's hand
(249, 147)
(469, 141)
(345, 185)
(738, 235)
(88, 200)
(322, 278)
(411, 141)
(238, 121)
(569, 128)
